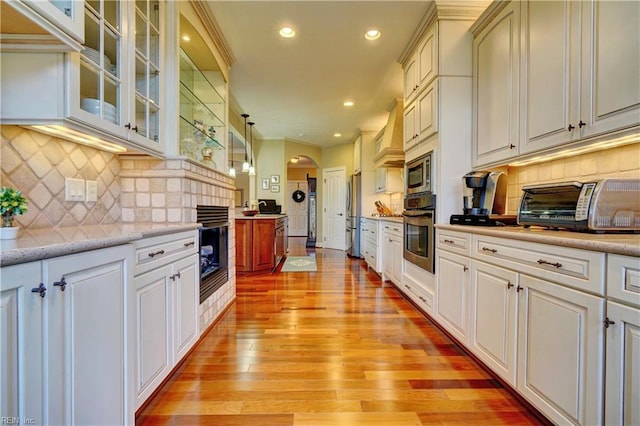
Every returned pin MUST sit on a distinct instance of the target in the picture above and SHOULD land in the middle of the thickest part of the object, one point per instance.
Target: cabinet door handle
(607, 322)
(544, 262)
(190, 243)
(396, 229)
(448, 241)
(509, 285)
(490, 250)
(174, 276)
(40, 289)
(571, 127)
(390, 240)
(511, 146)
(423, 299)
(519, 288)
(62, 284)
(406, 286)
(581, 124)
(130, 127)
(156, 253)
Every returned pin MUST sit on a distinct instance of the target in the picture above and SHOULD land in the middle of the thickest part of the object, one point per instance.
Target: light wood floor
(333, 347)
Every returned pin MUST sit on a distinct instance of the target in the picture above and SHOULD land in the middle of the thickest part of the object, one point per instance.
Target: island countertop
(44, 243)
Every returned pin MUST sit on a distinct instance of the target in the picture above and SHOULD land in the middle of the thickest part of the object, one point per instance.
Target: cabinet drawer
(418, 294)
(623, 278)
(152, 253)
(580, 269)
(457, 242)
(392, 228)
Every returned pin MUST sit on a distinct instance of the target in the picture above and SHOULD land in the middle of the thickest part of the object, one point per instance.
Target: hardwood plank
(333, 347)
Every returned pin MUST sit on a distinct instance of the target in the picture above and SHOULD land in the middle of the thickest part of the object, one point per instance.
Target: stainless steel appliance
(600, 206)
(311, 236)
(353, 213)
(419, 236)
(484, 200)
(418, 174)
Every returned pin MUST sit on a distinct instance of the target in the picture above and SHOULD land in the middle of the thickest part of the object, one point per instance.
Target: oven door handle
(418, 213)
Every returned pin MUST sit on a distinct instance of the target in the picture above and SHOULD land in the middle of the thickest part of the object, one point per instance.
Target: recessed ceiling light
(287, 32)
(337, 135)
(186, 38)
(372, 35)
(348, 103)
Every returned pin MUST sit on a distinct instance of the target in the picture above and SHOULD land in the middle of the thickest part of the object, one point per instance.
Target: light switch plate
(92, 191)
(74, 189)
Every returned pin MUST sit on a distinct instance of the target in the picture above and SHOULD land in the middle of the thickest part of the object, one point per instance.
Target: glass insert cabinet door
(147, 69)
(101, 84)
(66, 15)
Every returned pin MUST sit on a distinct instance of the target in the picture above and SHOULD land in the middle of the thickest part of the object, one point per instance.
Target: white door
(298, 212)
(335, 204)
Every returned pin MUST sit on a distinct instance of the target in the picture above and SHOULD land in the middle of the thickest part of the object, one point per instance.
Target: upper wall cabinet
(42, 25)
(551, 73)
(495, 86)
(580, 63)
(422, 66)
(110, 90)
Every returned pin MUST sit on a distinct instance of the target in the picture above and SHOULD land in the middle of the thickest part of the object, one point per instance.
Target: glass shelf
(193, 108)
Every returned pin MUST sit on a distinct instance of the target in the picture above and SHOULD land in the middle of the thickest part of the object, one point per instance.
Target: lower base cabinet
(64, 325)
(166, 308)
(261, 243)
(452, 290)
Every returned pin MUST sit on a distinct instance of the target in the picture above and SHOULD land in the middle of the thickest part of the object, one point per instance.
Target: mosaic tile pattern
(38, 164)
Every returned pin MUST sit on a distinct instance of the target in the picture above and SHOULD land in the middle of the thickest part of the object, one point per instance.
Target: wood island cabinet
(260, 243)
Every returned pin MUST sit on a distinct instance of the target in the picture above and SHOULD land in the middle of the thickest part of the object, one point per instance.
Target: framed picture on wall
(275, 188)
(239, 197)
(275, 179)
(265, 183)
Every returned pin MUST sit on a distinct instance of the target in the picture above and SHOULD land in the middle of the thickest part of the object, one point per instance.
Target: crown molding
(212, 27)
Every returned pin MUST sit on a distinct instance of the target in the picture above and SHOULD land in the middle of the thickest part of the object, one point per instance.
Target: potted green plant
(12, 204)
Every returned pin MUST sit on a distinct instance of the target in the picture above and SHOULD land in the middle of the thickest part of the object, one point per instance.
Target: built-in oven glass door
(419, 238)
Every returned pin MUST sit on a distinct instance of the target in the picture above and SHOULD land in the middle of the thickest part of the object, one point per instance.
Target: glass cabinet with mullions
(120, 77)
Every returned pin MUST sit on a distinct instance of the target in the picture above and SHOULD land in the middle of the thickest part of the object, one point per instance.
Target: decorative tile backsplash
(38, 164)
(622, 162)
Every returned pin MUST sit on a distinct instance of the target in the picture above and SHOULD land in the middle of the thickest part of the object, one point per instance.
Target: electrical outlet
(92, 191)
(74, 189)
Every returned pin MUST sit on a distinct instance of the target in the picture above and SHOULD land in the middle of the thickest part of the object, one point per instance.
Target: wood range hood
(390, 153)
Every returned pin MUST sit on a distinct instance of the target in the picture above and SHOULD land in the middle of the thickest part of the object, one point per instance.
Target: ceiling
(294, 88)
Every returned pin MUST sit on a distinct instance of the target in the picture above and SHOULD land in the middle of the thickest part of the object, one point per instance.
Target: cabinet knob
(571, 127)
(62, 284)
(607, 322)
(40, 289)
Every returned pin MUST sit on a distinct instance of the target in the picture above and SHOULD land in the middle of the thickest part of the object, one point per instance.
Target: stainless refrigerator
(353, 216)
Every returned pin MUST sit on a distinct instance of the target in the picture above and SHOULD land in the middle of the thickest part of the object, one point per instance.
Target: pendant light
(245, 165)
(252, 170)
(232, 170)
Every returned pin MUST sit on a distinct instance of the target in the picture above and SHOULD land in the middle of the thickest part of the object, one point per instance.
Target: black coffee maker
(484, 200)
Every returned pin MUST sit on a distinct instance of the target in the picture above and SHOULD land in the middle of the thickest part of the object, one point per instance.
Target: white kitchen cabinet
(623, 279)
(166, 283)
(493, 323)
(421, 118)
(392, 248)
(61, 20)
(389, 180)
(363, 234)
(110, 90)
(422, 67)
(371, 245)
(561, 351)
(496, 85)
(357, 155)
(623, 364)
(580, 71)
(21, 342)
(452, 294)
(86, 337)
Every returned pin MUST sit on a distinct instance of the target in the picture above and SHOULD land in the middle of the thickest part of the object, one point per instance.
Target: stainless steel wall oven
(419, 235)
(214, 252)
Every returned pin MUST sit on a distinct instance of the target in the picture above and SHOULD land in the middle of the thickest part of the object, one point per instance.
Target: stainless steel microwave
(418, 174)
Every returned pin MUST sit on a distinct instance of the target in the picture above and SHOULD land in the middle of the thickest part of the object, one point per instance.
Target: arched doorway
(301, 197)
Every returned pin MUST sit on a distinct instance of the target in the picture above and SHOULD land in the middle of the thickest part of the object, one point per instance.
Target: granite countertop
(625, 244)
(38, 244)
(261, 216)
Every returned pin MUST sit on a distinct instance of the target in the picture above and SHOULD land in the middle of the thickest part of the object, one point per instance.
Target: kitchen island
(261, 242)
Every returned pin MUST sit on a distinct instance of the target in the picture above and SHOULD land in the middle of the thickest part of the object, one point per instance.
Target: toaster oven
(600, 206)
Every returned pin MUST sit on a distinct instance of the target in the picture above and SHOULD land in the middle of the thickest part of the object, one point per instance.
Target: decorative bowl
(249, 212)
